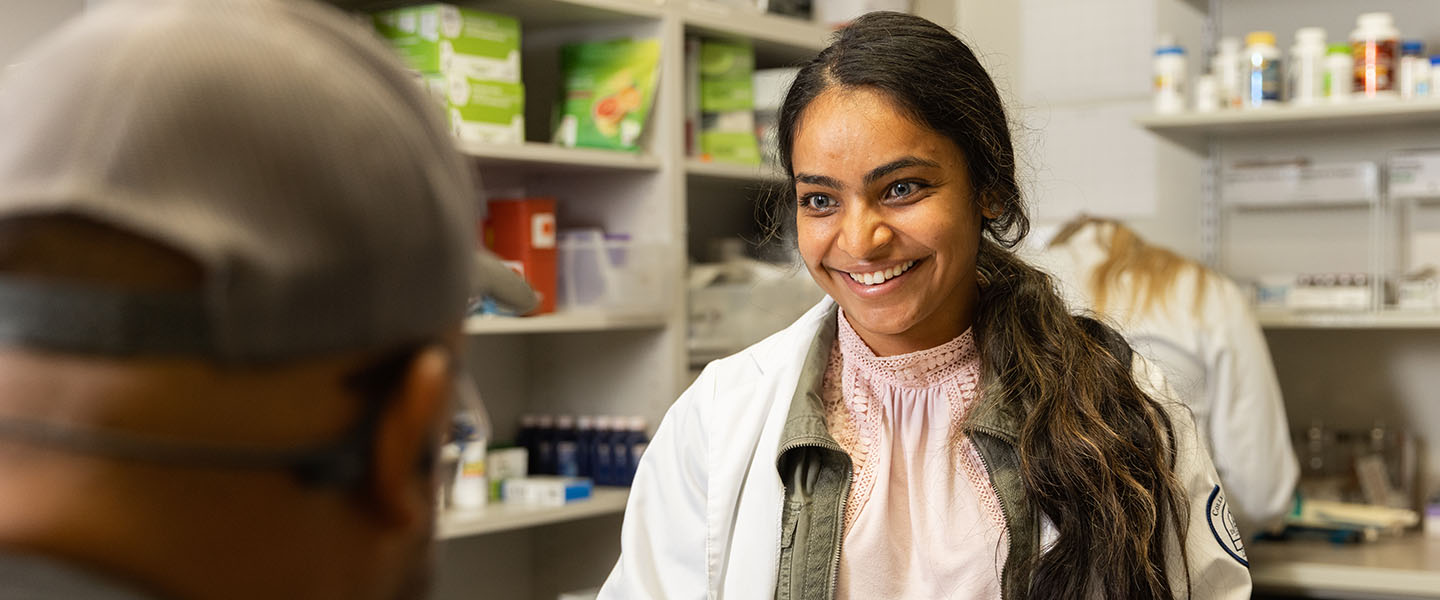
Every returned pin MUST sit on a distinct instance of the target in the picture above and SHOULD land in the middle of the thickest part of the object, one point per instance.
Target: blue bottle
(525, 438)
(585, 442)
(545, 445)
(567, 447)
(602, 462)
(633, 446)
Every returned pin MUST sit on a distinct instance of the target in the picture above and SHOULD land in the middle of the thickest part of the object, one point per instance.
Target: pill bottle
(1169, 78)
(1306, 67)
(1413, 64)
(1374, 44)
(1228, 68)
(1263, 70)
(1339, 73)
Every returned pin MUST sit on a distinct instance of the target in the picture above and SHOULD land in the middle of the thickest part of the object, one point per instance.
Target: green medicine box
(487, 112)
(443, 38)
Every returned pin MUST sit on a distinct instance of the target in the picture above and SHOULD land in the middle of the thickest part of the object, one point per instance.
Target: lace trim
(850, 386)
(922, 369)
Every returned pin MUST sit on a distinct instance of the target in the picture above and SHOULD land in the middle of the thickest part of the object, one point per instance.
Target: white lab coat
(1218, 364)
(703, 519)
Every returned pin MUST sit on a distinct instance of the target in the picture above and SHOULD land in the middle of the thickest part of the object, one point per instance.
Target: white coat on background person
(1207, 343)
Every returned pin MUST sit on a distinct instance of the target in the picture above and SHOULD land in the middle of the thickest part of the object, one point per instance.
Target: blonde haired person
(1197, 327)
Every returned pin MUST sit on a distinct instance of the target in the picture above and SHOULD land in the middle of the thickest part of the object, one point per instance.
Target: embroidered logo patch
(1223, 527)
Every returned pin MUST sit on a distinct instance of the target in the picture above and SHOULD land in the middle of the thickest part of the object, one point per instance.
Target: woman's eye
(903, 188)
(817, 202)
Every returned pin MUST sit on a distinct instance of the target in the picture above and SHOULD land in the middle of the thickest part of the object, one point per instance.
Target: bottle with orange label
(1374, 44)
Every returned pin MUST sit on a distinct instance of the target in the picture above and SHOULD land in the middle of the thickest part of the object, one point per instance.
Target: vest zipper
(1004, 512)
(839, 520)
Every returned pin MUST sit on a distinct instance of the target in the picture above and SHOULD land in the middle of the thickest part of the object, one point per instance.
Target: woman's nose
(865, 233)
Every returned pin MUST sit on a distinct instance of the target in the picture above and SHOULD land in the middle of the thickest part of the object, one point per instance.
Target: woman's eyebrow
(897, 164)
(871, 177)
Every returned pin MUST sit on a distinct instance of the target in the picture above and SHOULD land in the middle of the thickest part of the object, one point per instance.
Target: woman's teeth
(880, 277)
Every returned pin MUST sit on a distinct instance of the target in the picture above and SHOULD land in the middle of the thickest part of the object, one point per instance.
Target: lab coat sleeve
(1214, 549)
(1249, 433)
(663, 538)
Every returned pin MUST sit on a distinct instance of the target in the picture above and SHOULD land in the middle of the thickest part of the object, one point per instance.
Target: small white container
(1263, 73)
(1169, 78)
(1307, 68)
(1339, 73)
(1228, 68)
(1207, 94)
(1435, 75)
(1414, 68)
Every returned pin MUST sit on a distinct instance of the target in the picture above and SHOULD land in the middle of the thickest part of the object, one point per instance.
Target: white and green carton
(447, 39)
(727, 102)
(487, 112)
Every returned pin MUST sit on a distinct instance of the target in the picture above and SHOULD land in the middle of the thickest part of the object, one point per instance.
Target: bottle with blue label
(567, 447)
(1263, 70)
(601, 459)
(632, 446)
(544, 445)
(585, 446)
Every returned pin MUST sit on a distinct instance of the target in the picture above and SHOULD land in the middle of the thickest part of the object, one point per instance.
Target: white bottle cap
(636, 423)
(1375, 20)
(529, 421)
(604, 423)
(545, 421)
(1313, 36)
(585, 422)
(565, 422)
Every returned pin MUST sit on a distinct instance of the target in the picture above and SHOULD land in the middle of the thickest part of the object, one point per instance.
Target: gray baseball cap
(276, 143)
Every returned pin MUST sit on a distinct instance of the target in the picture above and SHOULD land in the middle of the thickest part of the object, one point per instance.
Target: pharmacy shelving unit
(618, 362)
(498, 518)
(1378, 357)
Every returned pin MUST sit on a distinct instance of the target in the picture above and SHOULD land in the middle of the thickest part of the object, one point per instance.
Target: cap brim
(495, 280)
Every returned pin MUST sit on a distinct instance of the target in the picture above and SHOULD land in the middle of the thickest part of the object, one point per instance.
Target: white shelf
(1296, 119)
(1406, 567)
(778, 39)
(562, 322)
(563, 13)
(718, 171)
(495, 518)
(539, 154)
(1389, 319)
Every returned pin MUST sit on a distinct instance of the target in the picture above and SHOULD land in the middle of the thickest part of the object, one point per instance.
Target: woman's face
(888, 224)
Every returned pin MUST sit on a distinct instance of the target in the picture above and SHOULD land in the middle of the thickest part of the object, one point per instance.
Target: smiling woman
(940, 426)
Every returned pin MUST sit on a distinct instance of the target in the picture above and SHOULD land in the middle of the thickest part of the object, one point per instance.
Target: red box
(522, 233)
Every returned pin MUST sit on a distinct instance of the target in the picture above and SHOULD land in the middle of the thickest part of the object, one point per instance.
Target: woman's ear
(990, 208)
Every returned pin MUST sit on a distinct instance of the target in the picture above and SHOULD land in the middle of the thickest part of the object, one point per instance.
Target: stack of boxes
(470, 60)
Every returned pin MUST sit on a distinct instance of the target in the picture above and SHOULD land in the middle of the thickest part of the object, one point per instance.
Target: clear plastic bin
(610, 273)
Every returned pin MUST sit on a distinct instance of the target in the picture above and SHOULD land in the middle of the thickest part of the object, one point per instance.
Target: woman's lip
(871, 291)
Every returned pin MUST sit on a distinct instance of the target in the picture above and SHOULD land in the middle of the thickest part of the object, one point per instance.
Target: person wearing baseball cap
(236, 250)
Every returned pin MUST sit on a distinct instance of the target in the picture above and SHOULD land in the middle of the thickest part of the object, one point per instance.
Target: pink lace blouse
(922, 520)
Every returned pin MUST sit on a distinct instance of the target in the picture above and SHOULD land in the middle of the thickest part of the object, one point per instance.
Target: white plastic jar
(1228, 68)
(1169, 78)
(1307, 66)
(1374, 45)
(1339, 73)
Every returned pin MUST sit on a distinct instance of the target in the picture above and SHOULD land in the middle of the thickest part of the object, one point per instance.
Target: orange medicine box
(522, 233)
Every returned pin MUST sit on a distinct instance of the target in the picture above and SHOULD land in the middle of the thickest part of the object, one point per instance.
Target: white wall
(28, 20)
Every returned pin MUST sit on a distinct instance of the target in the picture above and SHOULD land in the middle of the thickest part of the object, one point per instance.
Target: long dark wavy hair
(1096, 452)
